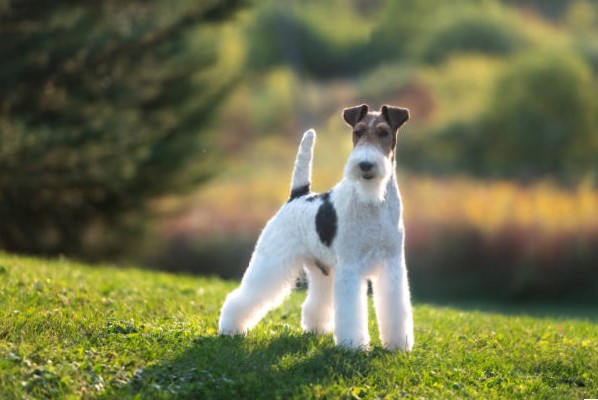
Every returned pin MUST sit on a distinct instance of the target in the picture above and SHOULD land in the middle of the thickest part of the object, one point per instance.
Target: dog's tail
(301, 183)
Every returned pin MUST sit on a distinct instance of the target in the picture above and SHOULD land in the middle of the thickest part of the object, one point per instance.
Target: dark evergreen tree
(103, 107)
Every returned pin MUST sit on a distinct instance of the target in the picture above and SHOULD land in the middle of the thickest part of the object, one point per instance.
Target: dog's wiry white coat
(368, 245)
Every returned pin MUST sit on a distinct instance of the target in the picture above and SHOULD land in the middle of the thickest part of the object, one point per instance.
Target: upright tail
(301, 183)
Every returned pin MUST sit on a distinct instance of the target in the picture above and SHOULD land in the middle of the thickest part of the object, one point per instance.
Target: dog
(342, 239)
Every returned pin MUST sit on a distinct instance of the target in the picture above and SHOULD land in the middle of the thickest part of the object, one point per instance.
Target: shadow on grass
(238, 368)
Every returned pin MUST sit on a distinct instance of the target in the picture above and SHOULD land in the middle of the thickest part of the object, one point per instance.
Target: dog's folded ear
(355, 114)
(395, 116)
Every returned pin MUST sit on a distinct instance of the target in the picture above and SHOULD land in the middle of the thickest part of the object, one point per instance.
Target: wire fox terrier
(342, 238)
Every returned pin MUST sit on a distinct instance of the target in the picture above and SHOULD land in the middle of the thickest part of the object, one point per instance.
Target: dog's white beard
(370, 191)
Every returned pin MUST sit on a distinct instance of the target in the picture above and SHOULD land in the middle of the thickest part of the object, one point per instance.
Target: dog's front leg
(392, 301)
(350, 307)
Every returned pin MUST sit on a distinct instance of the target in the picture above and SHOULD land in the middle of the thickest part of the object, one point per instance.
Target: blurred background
(163, 133)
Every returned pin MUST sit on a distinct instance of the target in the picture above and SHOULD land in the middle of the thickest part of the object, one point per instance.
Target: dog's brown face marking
(378, 128)
(374, 130)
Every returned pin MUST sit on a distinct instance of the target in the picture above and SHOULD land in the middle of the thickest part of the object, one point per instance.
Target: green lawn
(69, 331)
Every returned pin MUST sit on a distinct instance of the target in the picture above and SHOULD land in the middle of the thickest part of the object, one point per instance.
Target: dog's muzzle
(366, 167)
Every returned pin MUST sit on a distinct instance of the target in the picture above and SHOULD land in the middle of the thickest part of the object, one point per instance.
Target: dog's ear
(395, 116)
(355, 114)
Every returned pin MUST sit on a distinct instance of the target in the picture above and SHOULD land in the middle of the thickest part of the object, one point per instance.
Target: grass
(70, 331)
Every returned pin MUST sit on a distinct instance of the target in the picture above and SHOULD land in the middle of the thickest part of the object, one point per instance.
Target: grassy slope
(67, 330)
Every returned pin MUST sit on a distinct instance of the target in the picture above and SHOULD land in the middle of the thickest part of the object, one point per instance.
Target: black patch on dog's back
(326, 220)
(299, 192)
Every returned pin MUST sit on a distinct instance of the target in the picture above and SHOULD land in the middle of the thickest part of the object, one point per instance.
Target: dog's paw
(231, 332)
(230, 328)
(357, 343)
(317, 329)
(404, 344)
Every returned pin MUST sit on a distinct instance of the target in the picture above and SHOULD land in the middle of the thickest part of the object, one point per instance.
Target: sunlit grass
(72, 331)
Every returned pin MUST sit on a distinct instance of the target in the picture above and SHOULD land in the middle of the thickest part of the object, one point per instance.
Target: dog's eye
(383, 133)
(359, 132)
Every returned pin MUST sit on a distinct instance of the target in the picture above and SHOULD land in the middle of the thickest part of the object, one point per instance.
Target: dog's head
(379, 128)
(374, 140)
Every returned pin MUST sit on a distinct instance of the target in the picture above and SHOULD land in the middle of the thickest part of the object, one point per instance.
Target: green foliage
(401, 25)
(483, 29)
(542, 118)
(71, 331)
(550, 8)
(489, 118)
(103, 107)
(430, 30)
(323, 40)
(534, 114)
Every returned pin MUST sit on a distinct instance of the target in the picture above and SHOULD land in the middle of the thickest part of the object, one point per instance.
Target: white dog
(342, 238)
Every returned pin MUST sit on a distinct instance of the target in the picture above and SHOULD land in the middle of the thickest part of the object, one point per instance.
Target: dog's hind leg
(266, 283)
(317, 312)
(393, 305)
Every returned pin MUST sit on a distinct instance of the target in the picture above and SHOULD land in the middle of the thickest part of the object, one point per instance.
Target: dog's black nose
(366, 166)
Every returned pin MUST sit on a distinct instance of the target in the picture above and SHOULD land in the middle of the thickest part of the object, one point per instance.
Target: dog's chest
(366, 230)
(368, 225)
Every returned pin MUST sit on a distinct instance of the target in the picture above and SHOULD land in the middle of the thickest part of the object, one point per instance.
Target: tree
(103, 107)
(542, 119)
